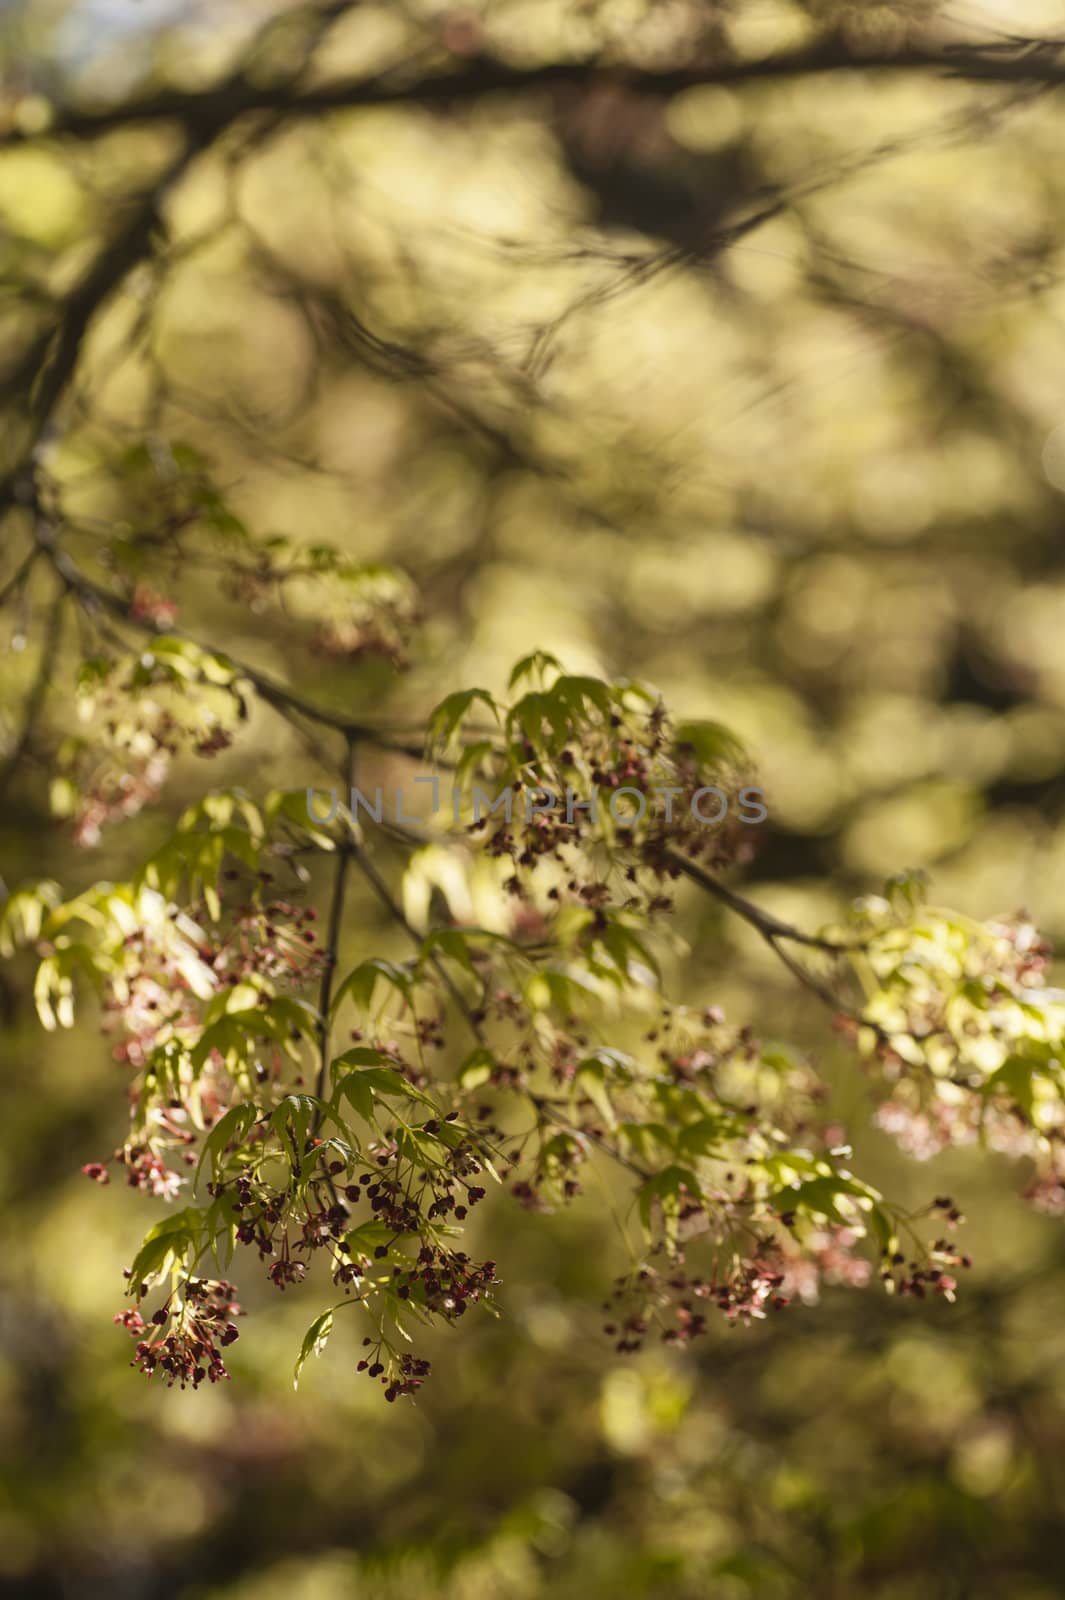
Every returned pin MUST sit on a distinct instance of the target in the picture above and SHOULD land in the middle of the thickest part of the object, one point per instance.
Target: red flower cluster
(402, 1375)
(190, 1351)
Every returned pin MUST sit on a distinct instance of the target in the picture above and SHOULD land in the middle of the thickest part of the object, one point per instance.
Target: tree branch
(38, 690)
(95, 596)
(345, 852)
(20, 574)
(770, 927)
(1017, 61)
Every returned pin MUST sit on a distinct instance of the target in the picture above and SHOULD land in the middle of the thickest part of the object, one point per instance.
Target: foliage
(203, 961)
(703, 361)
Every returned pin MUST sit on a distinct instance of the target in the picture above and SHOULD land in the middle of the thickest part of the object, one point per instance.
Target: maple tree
(306, 1112)
(706, 357)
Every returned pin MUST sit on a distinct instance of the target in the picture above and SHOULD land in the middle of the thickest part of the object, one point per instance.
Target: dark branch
(771, 928)
(345, 852)
(95, 597)
(1022, 61)
(34, 703)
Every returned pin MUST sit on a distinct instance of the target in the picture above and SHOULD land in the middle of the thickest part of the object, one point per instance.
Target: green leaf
(822, 1196)
(293, 1118)
(477, 1068)
(563, 991)
(533, 665)
(543, 720)
(703, 1137)
(53, 991)
(361, 983)
(712, 744)
(648, 1141)
(576, 694)
(314, 1342)
(164, 1247)
(355, 1089)
(364, 1240)
(361, 1088)
(627, 951)
(665, 1189)
(1015, 1077)
(361, 1055)
(234, 1034)
(24, 913)
(593, 1076)
(883, 1228)
(446, 719)
(450, 942)
(470, 761)
(292, 805)
(229, 1129)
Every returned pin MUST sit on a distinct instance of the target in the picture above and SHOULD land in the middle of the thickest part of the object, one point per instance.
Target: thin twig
(96, 596)
(345, 853)
(38, 690)
(20, 574)
(770, 927)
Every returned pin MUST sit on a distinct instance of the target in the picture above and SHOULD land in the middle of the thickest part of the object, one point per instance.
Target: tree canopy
(531, 748)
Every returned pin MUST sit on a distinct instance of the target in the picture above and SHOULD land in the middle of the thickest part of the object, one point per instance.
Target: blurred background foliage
(752, 390)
